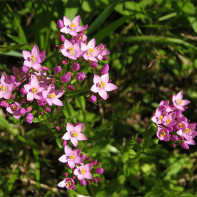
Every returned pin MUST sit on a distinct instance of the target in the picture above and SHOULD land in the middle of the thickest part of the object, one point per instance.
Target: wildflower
(105, 69)
(57, 69)
(75, 66)
(163, 134)
(81, 76)
(83, 172)
(14, 109)
(66, 77)
(93, 99)
(29, 117)
(68, 183)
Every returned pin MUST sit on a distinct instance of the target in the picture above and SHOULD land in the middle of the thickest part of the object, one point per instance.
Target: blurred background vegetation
(153, 55)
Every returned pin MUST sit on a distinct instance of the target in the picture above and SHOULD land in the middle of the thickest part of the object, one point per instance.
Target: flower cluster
(83, 170)
(78, 51)
(172, 124)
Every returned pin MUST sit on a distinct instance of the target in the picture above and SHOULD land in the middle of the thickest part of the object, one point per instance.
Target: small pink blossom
(68, 183)
(14, 109)
(83, 172)
(163, 134)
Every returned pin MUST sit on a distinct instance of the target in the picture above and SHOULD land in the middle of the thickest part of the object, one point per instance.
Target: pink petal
(66, 136)
(76, 20)
(57, 102)
(71, 164)
(88, 175)
(35, 51)
(62, 184)
(179, 95)
(80, 28)
(105, 78)
(42, 56)
(185, 102)
(7, 95)
(83, 46)
(80, 176)
(94, 89)
(70, 127)
(103, 94)
(67, 21)
(97, 79)
(110, 87)
(27, 63)
(79, 127)
(91, 43)
(78, 160)
(36, 66)
(30, 96)
(63, 159)
(68, 150)
(92, 59)
(64, 30)
(81, 136)
(26, 54)
(67, 44)
(74, 141)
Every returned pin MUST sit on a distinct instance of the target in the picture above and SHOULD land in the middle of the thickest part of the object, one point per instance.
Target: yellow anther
(72, 157)
(83, 171)
(74, 134)
(51, 95)
(160, 118)
(180, 125)
(162, 134)
(73, 25)
(3, 88)
(102, 84)
(179, 102)
(71, 49)
(80, 37)
(68, 183)
(187, 130)
(34, 90)
(91, 50)
(15, 107)
(167, 121)
(33, 59)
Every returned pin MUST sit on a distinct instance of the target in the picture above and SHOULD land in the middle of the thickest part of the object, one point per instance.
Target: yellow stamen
(71, 51)
(15, 107)
(187, 130)
(83, 171)
(162, 134)
(3, 88)
(74, 134)
(33, 59)
(160, 118)
(179, 102)
(102, 84)
(73, 25)
(68, 183)
(180, 125)
(168, 121)
(91, 50)
(51, 95)
(72, 157)
(80, 37)
(34, 90)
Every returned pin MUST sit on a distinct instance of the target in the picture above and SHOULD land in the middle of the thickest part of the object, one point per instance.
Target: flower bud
(47, 109)
(105, 69)
(95, 180)
(4, 104)
(57, 69)
(74, 177)
(13, 96)
(184, 145)
(174, 138)
(104, 58)
(58, 128)
(88, 182)
(93, 99)
(181, 138)
(66, 77)
(173, 145)
(80, 76)
(23, 100)
(94, 162)
(23, 91)
(11, 79)
(62, 38)
(100, 179)
(94, 65)
(75, 67)
(83, 156)
(88, 159)
(64, 62)
(83, 182)
(60, 24)
(139, 140)
(25, 69)
(41, 113)
(99, 170)
(28, 109)
(64, 143)
(22, 111)
(65, 174)
(70, 87)
(29, 117)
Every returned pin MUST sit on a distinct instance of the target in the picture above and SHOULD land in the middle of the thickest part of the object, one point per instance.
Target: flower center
(72, 157)
(72, 26)
(34, 90)
(179, 102)
(71, 51)
(51, 95)
(15, 107)
(160, 118)
(90, 51)
(3, 88)
(68, 183)
(33, 59)
(187, 130)
(102, 84)
(180, 125)
(162, 134)
(83, 171)
(168, 121)
(74, 134)
(80, 37)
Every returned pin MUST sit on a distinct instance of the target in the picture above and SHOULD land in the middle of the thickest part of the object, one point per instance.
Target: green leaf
(36, 157)
(12, 53)
(4, 123)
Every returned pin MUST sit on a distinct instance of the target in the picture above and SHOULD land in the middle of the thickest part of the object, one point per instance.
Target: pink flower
(29, 117)
(178, 102)
(72, 27)
(102, 51)
(99, 170)
(34, 58)
(168, 120)
(68, 183)
(83, 172)
(72, 51)
(71, 157)
(6, 88)
(102, 85)
(163, 134)
(52, 96)
(33, 89)
(14, 109)
(74, 133)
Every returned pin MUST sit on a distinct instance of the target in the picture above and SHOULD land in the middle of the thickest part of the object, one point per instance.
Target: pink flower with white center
(164, 106)
(72, 157)
(68, 183)
(90, 52)
(178, 102)
(74, 133)
(103, 51)
(6, 88)
(19, 76)
(158, 116)
(168, 120)
(72, 51)
(163, 134)
(33, 89)
(102, 85)
(72, 27)
(14, 109)
(41, 76)
(83, 172)
(188, 132)
(34, 58)
(52, 96)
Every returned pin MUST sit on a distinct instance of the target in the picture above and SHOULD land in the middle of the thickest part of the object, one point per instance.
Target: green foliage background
(153, 55)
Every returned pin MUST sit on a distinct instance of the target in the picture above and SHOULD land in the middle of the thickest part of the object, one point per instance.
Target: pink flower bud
(184, 145)
(99, 163)
(83, 156)
(66, 77)
(4, 104)
(22, 111)
(83, 182)
(181, 138)
(11, 79)
(28, 109)
(25, 69)
(100, 179)
(104, 58)
(64, 143)
(74, 177)
(45, 68)
(58, 128)
(88, 182)
(60, 24)
(139, 140)
(88, 159)
(47, 109)
(174, 138)
(94, 65)
(95, 180)
(94, 162)
(99, 170)
(93, 99)
(57, 46)
(70, 87)
(65, 174)
(13, 96)
(75, 67)
(81, 76)
(29, 117)
(64, 62)
(57, 69)
(41, 113)
(62, 38)
(53, 81)
(105, 69)
(173, 145)
(23, 91)
(23, 100)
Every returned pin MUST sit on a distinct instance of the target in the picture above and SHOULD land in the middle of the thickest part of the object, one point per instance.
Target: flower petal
(74, 141)
(63, 159)
(110, 87)
(103, 94)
